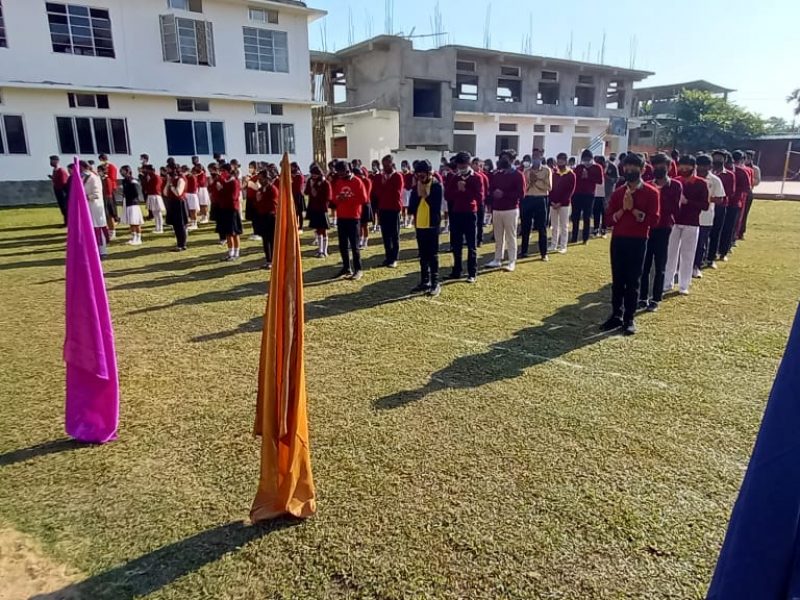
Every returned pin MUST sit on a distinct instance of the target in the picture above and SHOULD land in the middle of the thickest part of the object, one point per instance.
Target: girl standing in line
(132, 212)
(318, 190)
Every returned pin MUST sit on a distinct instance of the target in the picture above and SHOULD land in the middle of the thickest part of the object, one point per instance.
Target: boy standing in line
(425, 207)
(560, 199)
(633, 210)
(588, 176)
(464, 192)
(539, 183)
(349, 196)
(390, 204)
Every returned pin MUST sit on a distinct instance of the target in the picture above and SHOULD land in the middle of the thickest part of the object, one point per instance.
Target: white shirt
(94, 194)
(715, 190)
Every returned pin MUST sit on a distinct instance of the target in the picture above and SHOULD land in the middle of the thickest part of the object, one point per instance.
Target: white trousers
(505, 233)
(559, 220)
(680, 258)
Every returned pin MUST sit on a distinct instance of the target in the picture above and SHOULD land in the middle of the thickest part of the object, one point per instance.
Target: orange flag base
(286, 484)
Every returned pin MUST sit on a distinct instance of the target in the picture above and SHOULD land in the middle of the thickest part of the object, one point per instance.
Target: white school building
(162, 77)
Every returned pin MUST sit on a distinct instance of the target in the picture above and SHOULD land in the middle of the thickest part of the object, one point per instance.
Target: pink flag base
(91, 416)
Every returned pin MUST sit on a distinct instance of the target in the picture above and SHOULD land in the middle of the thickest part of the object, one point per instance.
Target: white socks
(159, 222)
(323, 245)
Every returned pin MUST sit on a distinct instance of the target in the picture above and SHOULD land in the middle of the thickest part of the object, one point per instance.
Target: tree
(794, 98)
(704, 121)
(779, 125)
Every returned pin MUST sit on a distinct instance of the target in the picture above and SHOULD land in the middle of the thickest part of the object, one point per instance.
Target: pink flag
(92, 406)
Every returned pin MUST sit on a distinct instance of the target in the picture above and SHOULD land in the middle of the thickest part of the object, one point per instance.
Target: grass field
(489, 444)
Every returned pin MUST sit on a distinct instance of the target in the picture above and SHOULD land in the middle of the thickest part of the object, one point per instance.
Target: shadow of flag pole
(760, 557)
(286, 485)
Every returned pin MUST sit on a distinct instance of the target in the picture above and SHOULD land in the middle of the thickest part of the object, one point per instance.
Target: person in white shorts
(97, 208)
(408, 185)
(203, 198)
(192, 199)
(132, 213)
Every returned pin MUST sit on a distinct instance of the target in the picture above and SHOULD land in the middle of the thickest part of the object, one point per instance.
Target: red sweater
(60, 178)
(113, 175)
(487, 185)
(349, 197)
(389, 191)
(408, 181)
(673, 170)
(563, 188)
(744, 184)
(670, 198)
(648, 174)
(728, 179)
(645, 199)
(266, 200)
(512, 184)
(230, 196)
(153, 185)
(366, 181)
(202, 179)
(319, 194)
(191, 184)
(695, 190)
(298, 183)
(587, 179)
(467, 200)
(174, 183)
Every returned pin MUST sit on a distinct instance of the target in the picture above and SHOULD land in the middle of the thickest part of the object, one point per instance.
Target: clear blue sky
(747, 46)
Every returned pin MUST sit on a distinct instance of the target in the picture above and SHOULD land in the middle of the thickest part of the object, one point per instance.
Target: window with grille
(76, 29)
(508, 127)
(549, 76)
(466, 87)
(187, 41)
(509, 90)
(466, 65)
(12, 135)
(194, 138)
(193, 105)
(510, 71)
(266, 108)
(263, 15)
(581, 129)
(464, 126)
(3, 40)
(92, 135)
(539, 128)
(269, 138)
(87, 100)
(190, 5)
(266, 50)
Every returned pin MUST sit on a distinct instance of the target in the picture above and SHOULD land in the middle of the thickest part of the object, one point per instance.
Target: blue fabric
(760, 558)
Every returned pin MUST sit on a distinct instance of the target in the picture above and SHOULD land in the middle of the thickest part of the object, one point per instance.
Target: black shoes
(629, 328)
(652, 307)
(454, 275)
(612, 324)
(435, 291)
(422, 287)
(642, 304)
(344, 273)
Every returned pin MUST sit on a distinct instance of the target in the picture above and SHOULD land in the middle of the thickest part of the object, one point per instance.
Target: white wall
(145, 116)
(139, 63)
(487, 128)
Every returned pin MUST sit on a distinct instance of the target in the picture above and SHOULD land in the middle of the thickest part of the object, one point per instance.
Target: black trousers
(299, 207)
(748, 205)
(180, 234)
(627, 261)
(655, 258)
(464, 229)
(701, 254)
(390, 232)
(264, 226)
(348, 240)
(582, 205)
(716, 232)
(481, 220)
(428, 245)
(534, 216)
(599, 213)
(61, 200)
(728, 235)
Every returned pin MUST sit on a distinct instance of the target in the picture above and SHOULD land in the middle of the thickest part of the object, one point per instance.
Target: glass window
(3, 40)
(189, 138)
(76, 29)
(12, 135)
(187, 41)
(84, 135)
(256, 137)
(263, 15)
(266, 50)
(185, 105)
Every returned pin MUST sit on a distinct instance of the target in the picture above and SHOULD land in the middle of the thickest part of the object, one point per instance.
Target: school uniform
(177, 211)
(721, 184)
(463, 194)
(655, 257)
(629, 246)
(229, 203)
(686, 232)
(367, 214)
(132, 212)
(153, 187)
(749, 202)
(203, 198)
(539, 183)
(192, 199)
(349, 196)
(610, 179)
(298, 185)
(97, 209)
(481, 214)
(265, 208)
(426, 209)
(586, 181)
(505, 212)
(564, 183)
(60, 177)
(319, 197)
(110, 185)
(408, 183)
(744, 185)
(390, 203)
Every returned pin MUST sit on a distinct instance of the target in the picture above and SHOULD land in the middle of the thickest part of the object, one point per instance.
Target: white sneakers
(495, 264)
(511, 267)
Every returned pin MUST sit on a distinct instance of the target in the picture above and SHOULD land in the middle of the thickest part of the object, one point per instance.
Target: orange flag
(286, 485)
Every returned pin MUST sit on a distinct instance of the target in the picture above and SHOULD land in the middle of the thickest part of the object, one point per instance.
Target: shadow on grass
(54, 226)
(571, 327)
(54, 447)
(385, 291)
(149, 573)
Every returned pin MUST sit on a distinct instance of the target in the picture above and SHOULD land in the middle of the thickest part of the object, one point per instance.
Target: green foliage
(779, 125)
(794, 98)
(704, 121)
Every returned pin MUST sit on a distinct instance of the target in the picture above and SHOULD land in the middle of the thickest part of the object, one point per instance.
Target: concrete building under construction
(382, 96)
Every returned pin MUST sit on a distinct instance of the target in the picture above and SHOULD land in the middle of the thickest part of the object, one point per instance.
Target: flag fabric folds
(92, 394)
(286, 485)
(760, 557)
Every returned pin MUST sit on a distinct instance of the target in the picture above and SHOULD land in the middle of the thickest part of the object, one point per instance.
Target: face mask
(632, 176)
(463, 171)
(561, 165)
(686, 172)
(660, 172)
(718, 164)
(586, 163)
(526, 164)
(504, 164)
(536, 163)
